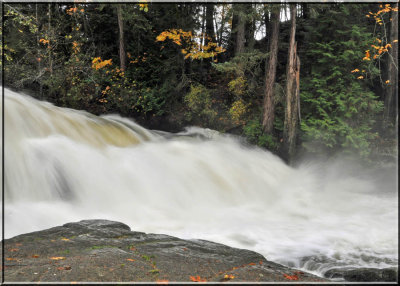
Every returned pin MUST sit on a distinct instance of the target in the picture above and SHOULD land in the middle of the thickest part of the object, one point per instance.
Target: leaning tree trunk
(269, 105)
(122, 51)
(292, 92)
(391, 92)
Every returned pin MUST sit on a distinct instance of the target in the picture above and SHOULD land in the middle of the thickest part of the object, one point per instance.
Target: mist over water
(63, 165)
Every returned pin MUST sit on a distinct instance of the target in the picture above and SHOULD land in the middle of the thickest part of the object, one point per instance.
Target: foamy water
(62, 165)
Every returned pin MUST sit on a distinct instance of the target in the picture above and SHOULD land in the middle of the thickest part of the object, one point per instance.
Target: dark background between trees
(291, 78)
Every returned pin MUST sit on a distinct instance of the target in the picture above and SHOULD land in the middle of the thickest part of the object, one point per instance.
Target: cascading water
(63, 165)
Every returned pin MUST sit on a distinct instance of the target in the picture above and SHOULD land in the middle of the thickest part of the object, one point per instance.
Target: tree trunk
(221, 30)
(203, 28)
(269, 105)
(391, 100)
(240, 35)
(210, 24)
(122, 51)
(292, 92)
(232, 38)
(49, 33)
(267, 23)
(250, 27)
(38, 57)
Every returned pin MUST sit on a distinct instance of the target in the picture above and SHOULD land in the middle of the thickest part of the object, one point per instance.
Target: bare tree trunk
(233, 35)
(203, 27)
(210, 23)
(39, 58)
(240, 35)
(122, 51)
(391, 94)
(221, 30)
(49, 33)
(269, 105)
(292, 91)
(267, 23)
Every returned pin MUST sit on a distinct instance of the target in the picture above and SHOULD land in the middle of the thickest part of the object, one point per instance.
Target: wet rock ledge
(108, 251)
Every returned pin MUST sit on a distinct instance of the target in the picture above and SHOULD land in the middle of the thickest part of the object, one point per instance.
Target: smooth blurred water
(63, 165)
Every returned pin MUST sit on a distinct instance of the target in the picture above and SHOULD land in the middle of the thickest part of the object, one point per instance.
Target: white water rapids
(63, 165)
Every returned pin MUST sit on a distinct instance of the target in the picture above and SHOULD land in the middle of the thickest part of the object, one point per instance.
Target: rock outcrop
(108, 251)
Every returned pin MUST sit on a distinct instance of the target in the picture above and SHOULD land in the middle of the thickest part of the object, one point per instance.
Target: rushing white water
(63, 165)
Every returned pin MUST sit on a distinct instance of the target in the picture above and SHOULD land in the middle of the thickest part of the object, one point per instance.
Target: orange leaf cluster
(197, 279)
(74, 10)
(291, 277)
(367, 56)
(44, 41)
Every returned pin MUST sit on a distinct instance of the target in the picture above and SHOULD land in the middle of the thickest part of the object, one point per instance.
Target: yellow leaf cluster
(191, 47)
(98, 63)
(44, 41)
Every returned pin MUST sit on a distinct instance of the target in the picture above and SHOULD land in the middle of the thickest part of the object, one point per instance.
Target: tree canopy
(209, 64)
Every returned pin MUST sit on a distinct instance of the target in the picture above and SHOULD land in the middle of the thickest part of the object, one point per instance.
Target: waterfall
(64, 165)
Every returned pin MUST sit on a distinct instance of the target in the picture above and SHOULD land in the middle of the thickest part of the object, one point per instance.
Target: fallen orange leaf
(65, 239)
(197, 279)
(252, 263)
(229, 276)
(14, 249)
(9, 258)
(293, 277)
(57, 258)
(35, 256)
(130, 259)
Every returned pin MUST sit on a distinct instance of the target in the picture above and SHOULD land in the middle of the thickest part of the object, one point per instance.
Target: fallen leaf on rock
(65, 239)
(10, 258)
(252, 263)
(14, 249)
(261, 262)
(184, 249)
(130, 259)
(35, 256)
(229, 276)
(162, 281)
(197, 279)
(18, 244)
(57, 258)
(291, 277)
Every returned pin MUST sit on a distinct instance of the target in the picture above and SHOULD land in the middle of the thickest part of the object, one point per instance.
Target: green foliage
(338, 108)
(199, 102)
(253, 131)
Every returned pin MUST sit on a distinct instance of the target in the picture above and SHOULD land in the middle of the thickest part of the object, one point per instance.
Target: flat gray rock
(108, 251)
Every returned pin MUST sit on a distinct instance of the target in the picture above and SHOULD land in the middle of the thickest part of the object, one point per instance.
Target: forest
(291, 78)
